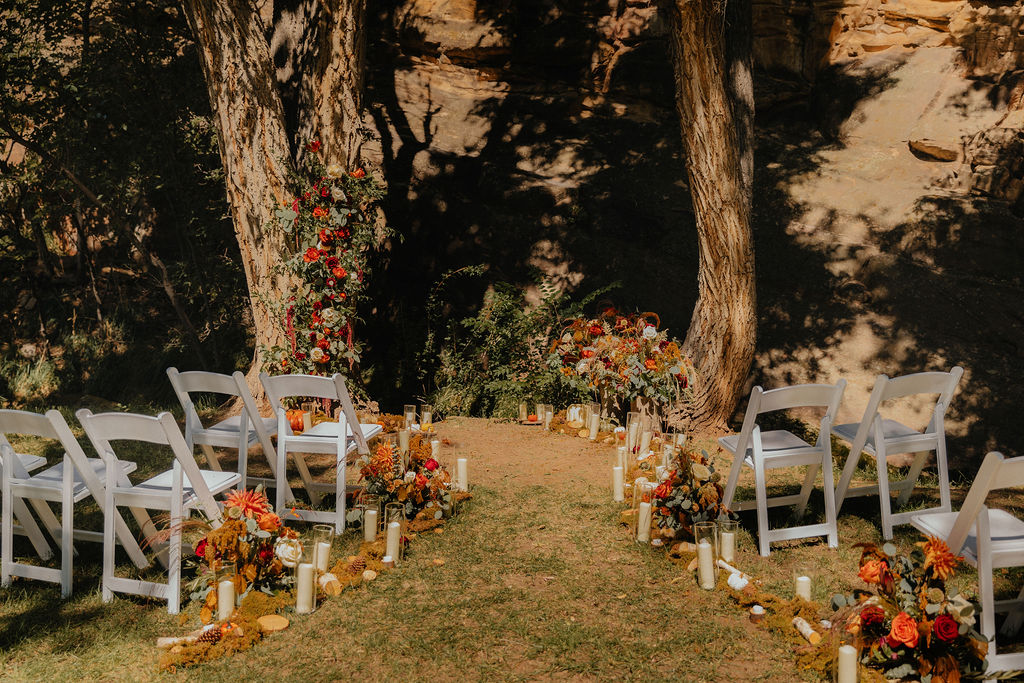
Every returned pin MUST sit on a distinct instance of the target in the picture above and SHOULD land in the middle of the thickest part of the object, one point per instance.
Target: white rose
(581, 367)
(317, 354)
(289, 551)
(337, 194)
(410, 476)
(650, 332)
(334, 171)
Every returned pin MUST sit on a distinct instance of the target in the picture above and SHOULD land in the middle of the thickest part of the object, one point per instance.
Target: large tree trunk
(253, 145)
(721, 336)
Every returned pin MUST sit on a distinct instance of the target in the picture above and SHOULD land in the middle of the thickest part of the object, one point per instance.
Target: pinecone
(358, 565)
(210, 635)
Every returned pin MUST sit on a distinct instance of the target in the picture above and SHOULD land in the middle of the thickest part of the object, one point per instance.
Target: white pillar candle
(403, 441)
(705, 566)
(645, 442)
(620, 457)
(802, 587)
(462, 474)
(322, 555)
(522, 412)
(595, 425)
(225, 599)
(847, 664)
(394, 538)
(548, 415)
(435, 448)
(643, 523)
(370, 526)
(618, 495)
(728, 546)
(304, 588)
(631, 436)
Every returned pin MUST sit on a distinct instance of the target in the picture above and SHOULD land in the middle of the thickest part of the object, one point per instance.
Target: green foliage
(491, 362)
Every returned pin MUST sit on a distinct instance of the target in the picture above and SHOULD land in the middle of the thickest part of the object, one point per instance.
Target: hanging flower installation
(330, 228)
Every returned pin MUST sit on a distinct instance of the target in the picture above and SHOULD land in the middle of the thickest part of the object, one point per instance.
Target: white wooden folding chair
(988, 539)
(24, 523)
(780, 448)
(342, 438)
(67, 483)
(240, 431)
(179, 490)
(880, 437)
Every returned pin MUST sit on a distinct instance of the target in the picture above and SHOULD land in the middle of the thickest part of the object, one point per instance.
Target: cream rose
(289, 551)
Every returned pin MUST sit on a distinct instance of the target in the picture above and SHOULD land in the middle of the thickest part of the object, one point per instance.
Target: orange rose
(651, 364)
(312, 254)
(269, 521)
(903, 631)
(871, 571)
(339, 272)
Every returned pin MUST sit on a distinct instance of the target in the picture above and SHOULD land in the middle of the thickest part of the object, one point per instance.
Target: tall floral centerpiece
(691, 493)
(419, 484)
(622, 359)
(330, 227)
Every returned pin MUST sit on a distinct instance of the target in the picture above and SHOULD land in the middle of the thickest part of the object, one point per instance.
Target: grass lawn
(538, 582)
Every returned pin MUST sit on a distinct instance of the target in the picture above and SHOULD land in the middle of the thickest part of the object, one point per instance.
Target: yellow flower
(938, 557)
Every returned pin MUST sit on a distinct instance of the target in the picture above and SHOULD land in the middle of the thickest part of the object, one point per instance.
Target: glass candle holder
(410, 415)
(539, 411)
(549, 414)
(643, 501)
(632, 431)
(846, 658)
(305, 579)
(395, 530)
(706, 538)
(803, 580)
(523, 412)
(728, 535)
(426, 416)
(368, 507)
(224, 579)
(323, 541)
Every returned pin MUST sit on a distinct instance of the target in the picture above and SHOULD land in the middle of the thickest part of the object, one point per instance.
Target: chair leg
(942, 462)
(307, 479)
(174, 560)
(761, 490)
(281, 476)
(831, 516)
(882, 466)
(67, 519)
(1014, 619)
(109, 542)
(986, 591)
(211, 456)
(6, 526)
(339, 501)
(734, 478)
(805, 490)
(916, 467)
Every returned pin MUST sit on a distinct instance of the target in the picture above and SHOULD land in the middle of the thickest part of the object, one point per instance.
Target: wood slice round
(272, 622)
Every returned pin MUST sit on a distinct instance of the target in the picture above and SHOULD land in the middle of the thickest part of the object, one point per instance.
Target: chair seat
(231, 426)
(775, 440)
(53, 477)
(30, 462)
(330, 429)
(162, 484)
(1007, 533)
(891, 429)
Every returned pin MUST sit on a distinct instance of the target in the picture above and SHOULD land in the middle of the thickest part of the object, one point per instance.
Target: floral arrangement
(622, 357)
(329, 227)
(254, 538)
(420, 483)
(913, 623)
(691, 493)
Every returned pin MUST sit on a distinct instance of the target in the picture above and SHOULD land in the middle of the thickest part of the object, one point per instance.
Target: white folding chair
(780, 448)
(240, 431)
(987, 539)
(67, 483)
(880, 437)
(29, 527)
(178, 490)
(344, 437)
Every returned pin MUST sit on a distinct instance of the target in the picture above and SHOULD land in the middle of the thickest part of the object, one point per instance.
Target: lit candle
(322, 555)
(304, 588)
(462, 474)
(595, 425)
(803, 587)
(705, 566)
(728, 546)
(225, 599)
(435, 448)
(394, 538)
(634, 431)
(403, 441)
(645, 442)
(370, 526)
(618, 495)
(643, 523)
(847, 664)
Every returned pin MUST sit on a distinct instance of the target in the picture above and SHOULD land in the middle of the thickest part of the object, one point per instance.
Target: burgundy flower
(872, 618)
(946, 629)
(430, 464)
(266, 554)
(201, 549)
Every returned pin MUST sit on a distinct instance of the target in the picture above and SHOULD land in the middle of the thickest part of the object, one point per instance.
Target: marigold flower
(938, 558)
(651, 364)
(319, 212)
(339, 272)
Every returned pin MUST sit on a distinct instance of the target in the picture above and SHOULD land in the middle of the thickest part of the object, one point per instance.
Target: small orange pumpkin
(294, 419)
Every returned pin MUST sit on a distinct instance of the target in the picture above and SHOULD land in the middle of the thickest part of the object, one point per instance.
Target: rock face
(991, 35)
(994, 164)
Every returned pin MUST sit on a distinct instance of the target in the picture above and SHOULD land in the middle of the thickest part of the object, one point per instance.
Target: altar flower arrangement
(622, 357)
(423, 483)
(691, 493)
(254, 538)
(910, 621)
(329, 226)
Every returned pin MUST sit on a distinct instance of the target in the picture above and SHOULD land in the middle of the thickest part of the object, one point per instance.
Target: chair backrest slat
(309, 386)
(996, 472)
(198, 381)
(803, 396)
(942, 383)
(26, 423)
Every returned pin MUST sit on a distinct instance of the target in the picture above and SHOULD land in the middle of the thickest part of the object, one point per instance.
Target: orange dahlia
(938, 557)
(251, 503)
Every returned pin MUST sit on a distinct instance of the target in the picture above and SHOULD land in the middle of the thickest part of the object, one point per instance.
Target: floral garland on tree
(329, 227)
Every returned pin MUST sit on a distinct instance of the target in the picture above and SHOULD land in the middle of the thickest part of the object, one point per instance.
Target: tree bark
(253, 144)
(721, 336)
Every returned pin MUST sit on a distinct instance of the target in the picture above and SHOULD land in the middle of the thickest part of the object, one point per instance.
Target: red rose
(266, 554)
(430, 464)
(312, 254)
(332, 262)
(299, 355)
(872, 617)
(324, 344)
(324, 192)
(201, 549)
(314, 146)
(946, 629)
